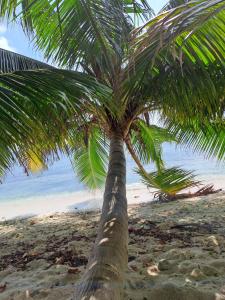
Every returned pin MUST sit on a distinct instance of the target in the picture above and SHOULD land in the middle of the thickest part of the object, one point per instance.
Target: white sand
(70, 202)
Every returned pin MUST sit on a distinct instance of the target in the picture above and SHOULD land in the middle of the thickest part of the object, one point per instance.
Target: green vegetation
(113, 76)
(168, 182)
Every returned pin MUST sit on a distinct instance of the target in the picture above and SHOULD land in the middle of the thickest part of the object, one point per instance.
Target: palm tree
(112, 76)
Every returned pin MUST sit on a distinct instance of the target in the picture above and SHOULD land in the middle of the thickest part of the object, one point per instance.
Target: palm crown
(113, 75)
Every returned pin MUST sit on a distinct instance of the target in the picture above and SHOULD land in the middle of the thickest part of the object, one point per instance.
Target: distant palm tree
(113, 76)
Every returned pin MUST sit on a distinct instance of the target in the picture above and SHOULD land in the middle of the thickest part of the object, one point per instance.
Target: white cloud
(5, 44)
(3, 28)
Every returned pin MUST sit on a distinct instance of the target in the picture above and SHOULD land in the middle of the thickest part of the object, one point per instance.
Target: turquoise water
(61, 179)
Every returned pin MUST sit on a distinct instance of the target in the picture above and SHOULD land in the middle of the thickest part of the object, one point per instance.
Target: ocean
(58, 187)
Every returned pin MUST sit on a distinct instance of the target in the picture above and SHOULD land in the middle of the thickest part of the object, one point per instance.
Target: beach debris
(73, 271)
(67, 257)
(33, 222)
(131, 258)
(3, 287)
(59, 260)
(195, 227)
(204, 191)
(27, 294)
(165, 264)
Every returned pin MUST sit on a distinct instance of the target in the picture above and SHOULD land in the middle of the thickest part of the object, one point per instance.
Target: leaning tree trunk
(104, 275)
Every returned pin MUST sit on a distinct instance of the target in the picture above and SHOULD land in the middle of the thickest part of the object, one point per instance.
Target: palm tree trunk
(104, 276)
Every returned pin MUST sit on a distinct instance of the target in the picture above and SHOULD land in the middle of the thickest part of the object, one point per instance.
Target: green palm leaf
(184, 49)
(147, 142)
(139, 9)
(70, 90)
(11, 62)
(38, 109)
(185, 30)
(169, 181)
(90, 160)
(174, 3)
(207, 139)
(94, 32)
(75, 26)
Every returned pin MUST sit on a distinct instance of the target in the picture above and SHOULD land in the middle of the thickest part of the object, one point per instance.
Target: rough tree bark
(104, 276)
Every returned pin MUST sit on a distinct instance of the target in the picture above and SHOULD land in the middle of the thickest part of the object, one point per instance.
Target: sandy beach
(176, 251)
(108, 109)
(67, 202)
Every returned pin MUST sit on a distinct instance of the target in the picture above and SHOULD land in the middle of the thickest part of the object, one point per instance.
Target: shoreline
(175, 248)
(82, 200)
(66, 203)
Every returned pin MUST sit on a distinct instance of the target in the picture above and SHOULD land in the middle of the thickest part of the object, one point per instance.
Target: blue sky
(12, 37)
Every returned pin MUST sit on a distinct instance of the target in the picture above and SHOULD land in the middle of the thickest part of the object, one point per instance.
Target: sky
(12, 37)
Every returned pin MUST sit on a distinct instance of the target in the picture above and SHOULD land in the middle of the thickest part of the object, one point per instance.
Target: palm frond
(147, 142)
(185, 30)
(70, 90)
(76, 29)
(184, 46)
(169, 181)
(31, 161)
(7, 158)
(138, 9)
(38, 108)
(90, 32)
(173, 3)
(90, 160)
(204, 138)
(11, 62)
